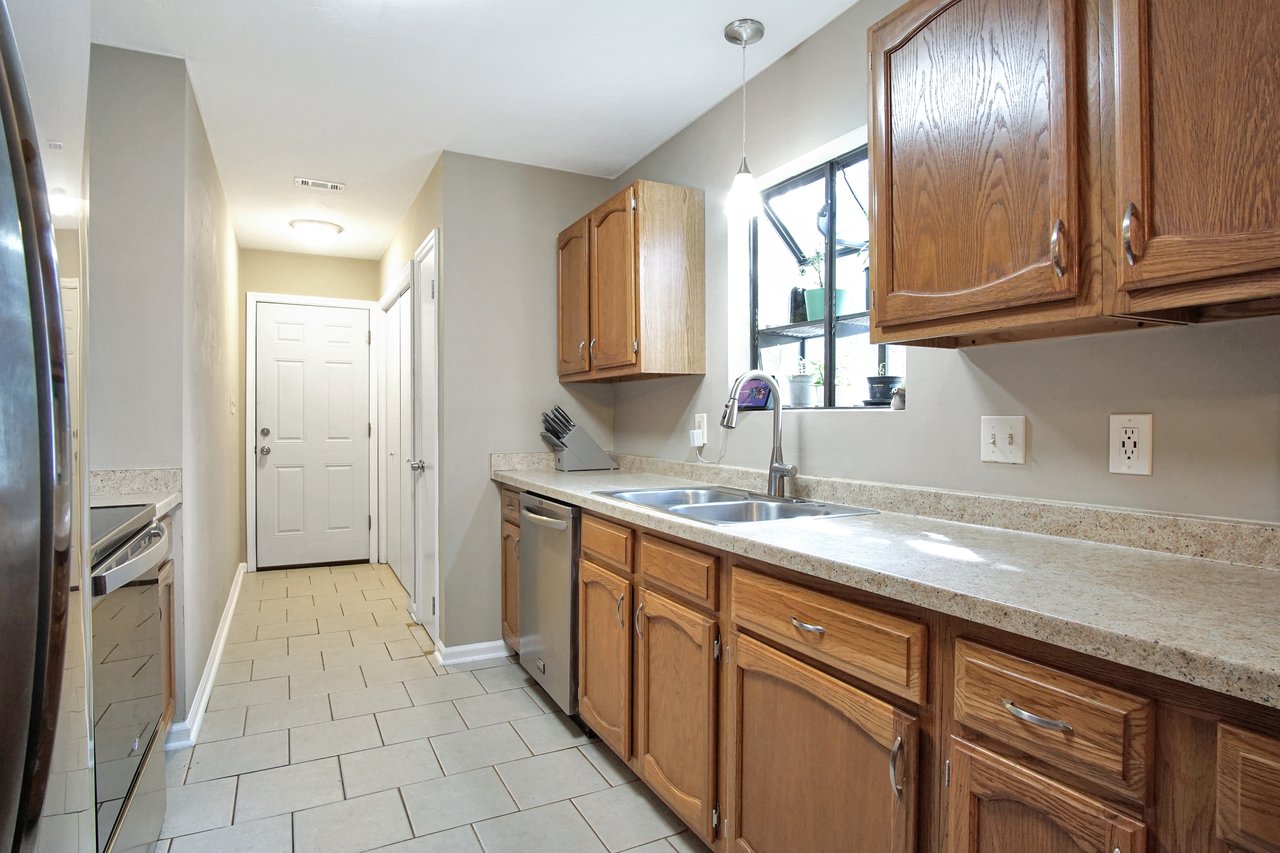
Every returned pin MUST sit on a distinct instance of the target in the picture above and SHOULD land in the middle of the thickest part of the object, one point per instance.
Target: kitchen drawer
(610, 543)
(682, 570)
(1248, 789)
(1084, 727)
(883, 650)
(510, 505)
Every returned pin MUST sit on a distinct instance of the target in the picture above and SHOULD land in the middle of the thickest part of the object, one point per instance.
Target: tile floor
(330, 730)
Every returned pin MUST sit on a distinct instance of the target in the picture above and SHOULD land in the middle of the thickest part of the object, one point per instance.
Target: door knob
(265, 432)
(264, 450)
(418, 465)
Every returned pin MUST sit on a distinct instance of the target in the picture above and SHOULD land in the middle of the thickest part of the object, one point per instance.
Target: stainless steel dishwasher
(549, 597)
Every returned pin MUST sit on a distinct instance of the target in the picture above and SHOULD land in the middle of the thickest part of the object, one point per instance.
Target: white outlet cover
(1130, 440)
(1004, 439)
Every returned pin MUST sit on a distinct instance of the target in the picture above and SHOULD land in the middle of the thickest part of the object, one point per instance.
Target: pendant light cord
(744, 101)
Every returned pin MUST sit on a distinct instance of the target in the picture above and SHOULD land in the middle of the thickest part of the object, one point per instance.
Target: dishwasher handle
(543, 520)
(130, 570)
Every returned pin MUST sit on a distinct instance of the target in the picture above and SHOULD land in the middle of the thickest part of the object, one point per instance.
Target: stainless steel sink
(717, 505)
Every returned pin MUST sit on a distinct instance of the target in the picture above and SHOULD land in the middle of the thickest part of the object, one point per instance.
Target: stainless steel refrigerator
(35, 482)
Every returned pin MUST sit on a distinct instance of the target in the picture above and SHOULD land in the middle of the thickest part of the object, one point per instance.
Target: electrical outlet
(698, 435)
(700, 422)
(1004, 439)
(1130, 444)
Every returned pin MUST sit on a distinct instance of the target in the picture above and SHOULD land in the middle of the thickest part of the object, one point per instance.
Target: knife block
(579, 452)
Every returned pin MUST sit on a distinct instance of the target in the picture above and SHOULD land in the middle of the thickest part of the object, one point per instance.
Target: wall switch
(1004, 439)
(1130, 444)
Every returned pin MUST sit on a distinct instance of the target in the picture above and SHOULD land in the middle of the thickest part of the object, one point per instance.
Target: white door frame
(251, 408)
(430, 248)
(404, 284)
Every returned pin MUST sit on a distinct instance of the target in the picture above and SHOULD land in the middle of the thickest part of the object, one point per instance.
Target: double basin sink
(720, 505)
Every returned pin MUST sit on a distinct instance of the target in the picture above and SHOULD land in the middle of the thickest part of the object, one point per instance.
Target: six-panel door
(974, 157)
(573, 274)
(817, 763)
(604, 655)
(614, 324)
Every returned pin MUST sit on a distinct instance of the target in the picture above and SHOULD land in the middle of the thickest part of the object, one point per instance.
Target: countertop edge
(165, 503)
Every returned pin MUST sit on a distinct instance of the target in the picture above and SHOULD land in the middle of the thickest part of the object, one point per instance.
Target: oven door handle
(130, 570)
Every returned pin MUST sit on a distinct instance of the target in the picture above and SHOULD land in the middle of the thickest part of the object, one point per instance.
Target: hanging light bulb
(744, 201)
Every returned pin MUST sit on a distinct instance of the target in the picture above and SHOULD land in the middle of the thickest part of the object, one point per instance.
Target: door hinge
(433, 288)
(946, 774)
(715, 649)
(369, 337)
(633, 202)
(715, 818)
(371, 522)
(433, 605)
(370, 427)
(635, 345)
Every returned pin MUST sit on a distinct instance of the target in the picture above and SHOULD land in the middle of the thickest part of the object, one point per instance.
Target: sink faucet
(778, 470)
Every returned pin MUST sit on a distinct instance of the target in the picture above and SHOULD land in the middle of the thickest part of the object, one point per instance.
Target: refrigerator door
(35, 508)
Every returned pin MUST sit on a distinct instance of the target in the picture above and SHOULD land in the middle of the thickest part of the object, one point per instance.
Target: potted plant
(805, 385)
(881, 387)
(815, 299)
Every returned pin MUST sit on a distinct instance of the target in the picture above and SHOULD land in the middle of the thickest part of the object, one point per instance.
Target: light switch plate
(1130, 443)
(1004, 439)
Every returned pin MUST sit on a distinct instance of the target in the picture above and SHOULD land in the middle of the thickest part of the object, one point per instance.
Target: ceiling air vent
(313, 183)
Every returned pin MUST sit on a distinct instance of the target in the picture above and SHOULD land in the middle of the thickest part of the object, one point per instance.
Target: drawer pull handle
(805, 626)
(1035, 719)
(639, 621)
(893, 768)
(618, 611)
(1055, 249)
(1126, 233)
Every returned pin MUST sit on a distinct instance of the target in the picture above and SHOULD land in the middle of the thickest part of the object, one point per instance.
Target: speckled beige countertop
(1197, 621)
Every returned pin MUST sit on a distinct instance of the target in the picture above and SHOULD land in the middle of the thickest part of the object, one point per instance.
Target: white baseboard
(470, 653)
(185, 733)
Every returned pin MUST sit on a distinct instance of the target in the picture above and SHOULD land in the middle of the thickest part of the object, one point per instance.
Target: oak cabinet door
(604, 655)
(573, 274)
(613, 282)
(1198, 145)
(817, 764)
(676, 707)
(998, 806)
(511, 584)
(975, 150)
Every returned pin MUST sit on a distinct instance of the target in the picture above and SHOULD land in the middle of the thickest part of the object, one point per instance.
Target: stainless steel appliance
(35, 481)
(128, 689)
(549, 597)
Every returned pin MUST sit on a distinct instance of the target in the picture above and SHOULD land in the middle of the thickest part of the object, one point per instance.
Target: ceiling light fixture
(316, 230)
(744, 201)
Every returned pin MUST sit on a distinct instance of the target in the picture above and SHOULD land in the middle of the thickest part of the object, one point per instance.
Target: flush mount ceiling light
(744, 201)
(316, 230)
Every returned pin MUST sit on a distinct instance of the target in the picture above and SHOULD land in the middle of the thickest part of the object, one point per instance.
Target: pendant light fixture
(744, 201)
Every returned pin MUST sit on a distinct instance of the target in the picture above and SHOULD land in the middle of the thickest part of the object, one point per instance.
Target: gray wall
(1214, 390)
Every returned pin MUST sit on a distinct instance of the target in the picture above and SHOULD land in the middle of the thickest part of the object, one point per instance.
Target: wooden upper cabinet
(811, 759)
(998, 806)
(641, 307)
(1197, 152)
(573, 275)
(974, 156)
(604, 655)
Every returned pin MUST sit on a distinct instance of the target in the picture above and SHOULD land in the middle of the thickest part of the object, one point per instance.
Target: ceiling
(368, 92)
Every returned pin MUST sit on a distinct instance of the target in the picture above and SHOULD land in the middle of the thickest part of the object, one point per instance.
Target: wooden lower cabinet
(998, 806)
(815, 760)
(676, 707)
(511, 584)
(604, 656)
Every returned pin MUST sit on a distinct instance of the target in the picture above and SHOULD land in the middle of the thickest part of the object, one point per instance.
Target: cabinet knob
(1126, 233)
(1055, 249)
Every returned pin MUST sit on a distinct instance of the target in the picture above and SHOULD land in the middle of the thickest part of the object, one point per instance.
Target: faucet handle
(782, 470)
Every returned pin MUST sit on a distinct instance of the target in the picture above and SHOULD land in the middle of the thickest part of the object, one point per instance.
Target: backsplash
(135, 481)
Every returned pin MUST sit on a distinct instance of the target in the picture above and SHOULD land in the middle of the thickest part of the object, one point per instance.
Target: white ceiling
(368, 92)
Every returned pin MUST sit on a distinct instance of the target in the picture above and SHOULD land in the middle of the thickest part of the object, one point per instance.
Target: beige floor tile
(320, 642)
(199, 807)
(419, 722)
(410, 669)
(549, 733)
(687, 842)
(611, 767)
(444, 803)
(659, 846)
(382, 634)
(326, 681)
(282, 605)
(238, 755)
(287, 629)
(462, 751)
(354, 825)
(330, 624)
(175, 766)
(323, 608)
(400, 617)
(487, 663)
(234, 673)
(255, 650)
(480, 711)
(273, 835)
(288, 789)
(550, 778)
(288, 714)
(627, 816)
(308, 572)
(220, 725)
(443, 688)
(396, 594)
(501, 678)
(389, 767)
(358, 581)
(382, 605)
(460, 840)
(555, 827)
(356, 656)
(370, 700)
(307, 743)
(242, 634)
(248, 693)
(403, 649)
(545, 702)
(287, 665)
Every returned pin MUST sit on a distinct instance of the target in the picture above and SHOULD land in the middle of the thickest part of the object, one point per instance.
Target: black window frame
(829, 172)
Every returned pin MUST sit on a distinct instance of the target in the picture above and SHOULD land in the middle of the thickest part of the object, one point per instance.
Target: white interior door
(426, 433)
(312, 432)
(405, 569)
(393, 483)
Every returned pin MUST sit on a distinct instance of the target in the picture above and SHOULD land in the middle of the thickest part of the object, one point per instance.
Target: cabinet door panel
(573, 275)
(604, 655)
(613, 282)
(998, 806)
(1198, 153)
(811, 760)
(975, 158)
(675, 725)
(511, 584)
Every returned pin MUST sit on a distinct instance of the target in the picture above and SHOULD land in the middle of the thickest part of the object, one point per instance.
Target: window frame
(828, 172)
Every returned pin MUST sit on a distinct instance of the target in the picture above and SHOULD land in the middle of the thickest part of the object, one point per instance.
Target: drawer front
(1080, 725)
(510, 505)
(609, 543)
(690, 573)
(1248, 789)
(887, 651)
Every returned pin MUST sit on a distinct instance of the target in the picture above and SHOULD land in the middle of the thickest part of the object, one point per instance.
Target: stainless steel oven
(128, 691)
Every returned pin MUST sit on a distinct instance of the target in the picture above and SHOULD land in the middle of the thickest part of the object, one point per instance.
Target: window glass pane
(798, 368)
(853, 235)
(856, 359)
(801, 244)
(777, 273)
